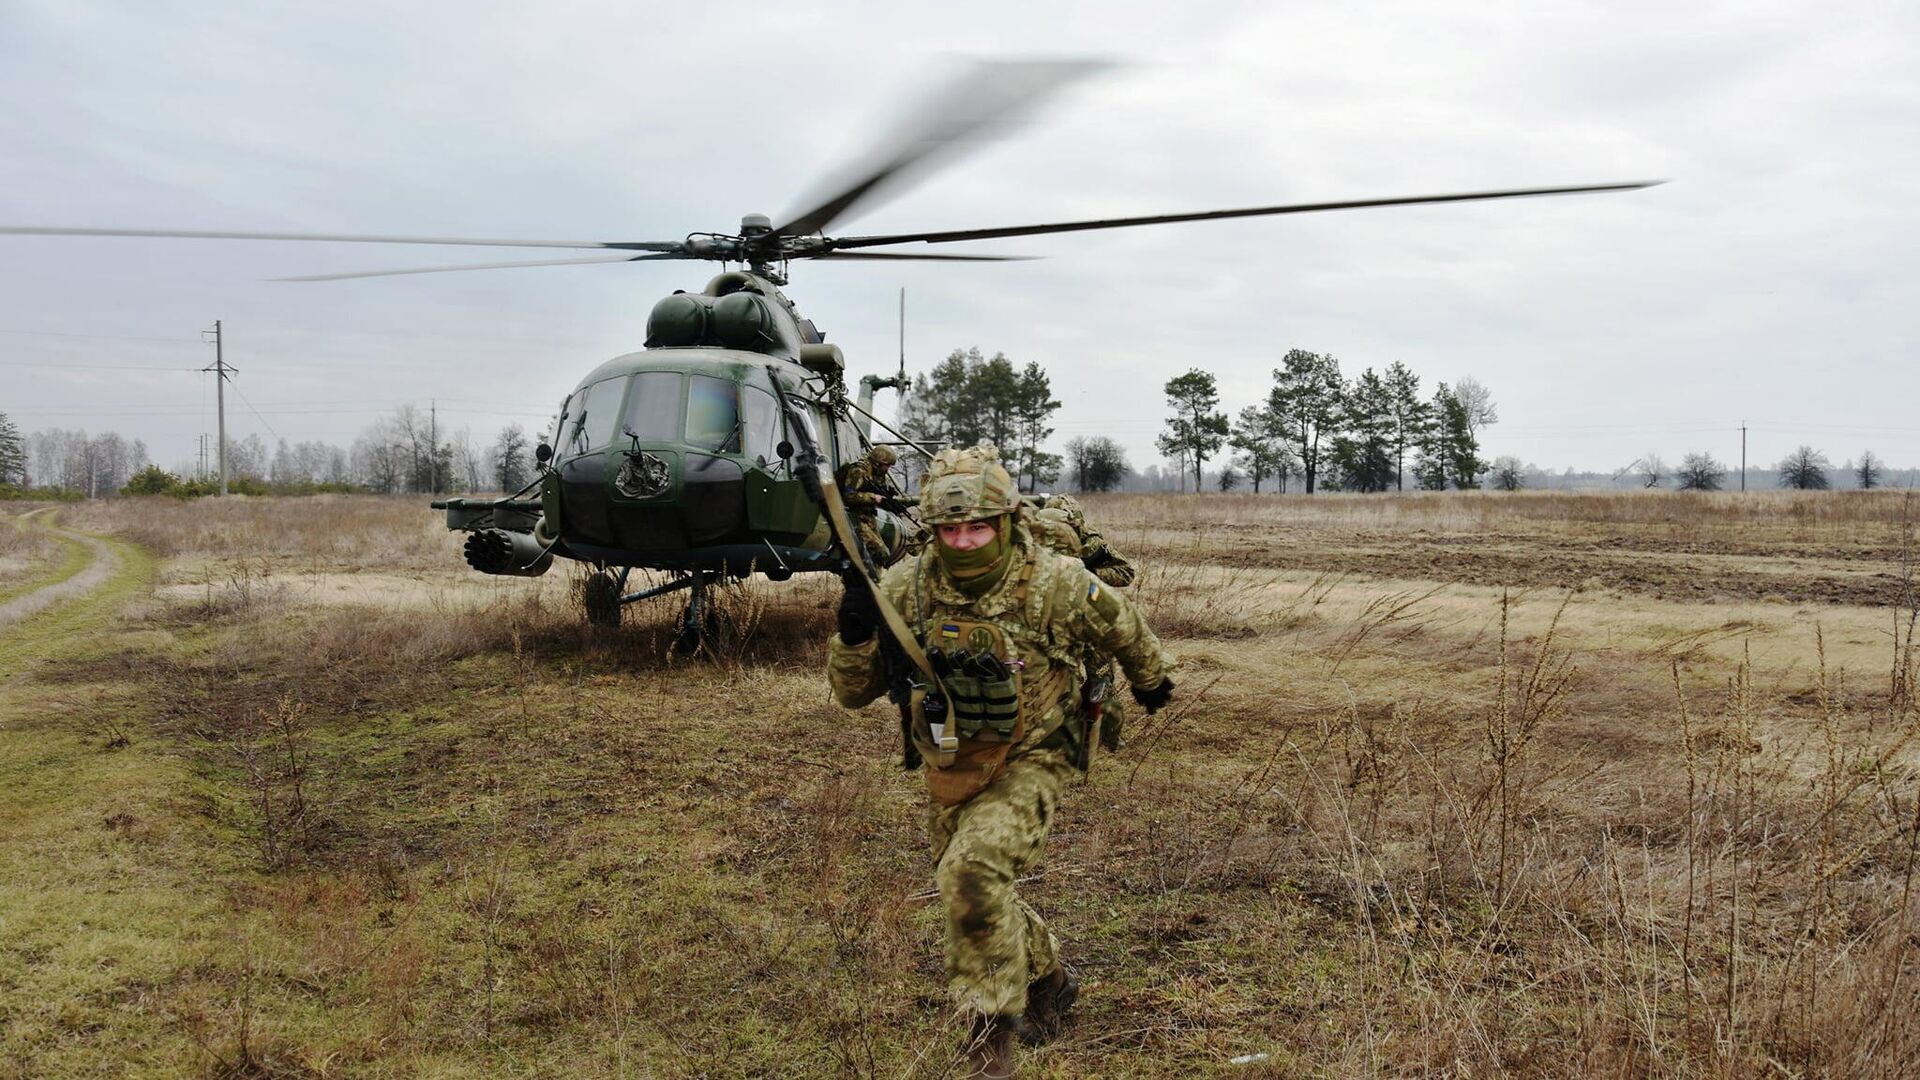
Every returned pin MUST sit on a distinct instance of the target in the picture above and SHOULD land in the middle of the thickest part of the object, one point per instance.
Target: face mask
(978, 569)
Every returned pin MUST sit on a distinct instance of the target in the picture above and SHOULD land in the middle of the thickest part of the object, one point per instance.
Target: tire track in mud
(100, 568)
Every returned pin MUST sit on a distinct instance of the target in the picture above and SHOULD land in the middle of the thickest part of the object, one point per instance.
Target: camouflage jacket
(1066, 612)
(860, 489)
(1057, 530)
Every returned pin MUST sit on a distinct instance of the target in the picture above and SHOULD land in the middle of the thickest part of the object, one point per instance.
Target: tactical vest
(1007, 676)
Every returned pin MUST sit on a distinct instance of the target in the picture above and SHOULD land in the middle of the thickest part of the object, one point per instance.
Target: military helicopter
(710, 453)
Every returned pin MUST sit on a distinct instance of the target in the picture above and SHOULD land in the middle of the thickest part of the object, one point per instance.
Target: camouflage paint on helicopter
(678, 457)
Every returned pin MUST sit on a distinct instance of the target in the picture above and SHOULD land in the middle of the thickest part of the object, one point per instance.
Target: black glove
(1097, 558)
(857, 616)
(1152, 700)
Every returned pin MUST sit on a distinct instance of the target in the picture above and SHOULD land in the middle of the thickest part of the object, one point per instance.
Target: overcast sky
(1772, 282)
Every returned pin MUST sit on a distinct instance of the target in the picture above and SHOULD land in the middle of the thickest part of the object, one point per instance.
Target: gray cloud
(1771, 282)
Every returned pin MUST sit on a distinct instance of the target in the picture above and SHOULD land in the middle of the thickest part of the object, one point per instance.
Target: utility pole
(220, 371)
(1743, 457)
(433, 445)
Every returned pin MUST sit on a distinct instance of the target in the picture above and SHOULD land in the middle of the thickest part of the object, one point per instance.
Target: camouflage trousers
(868, 530)
(996, 943)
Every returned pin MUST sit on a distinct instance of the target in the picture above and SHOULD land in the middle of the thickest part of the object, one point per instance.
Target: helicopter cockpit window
(653, 408)
(713, 414)
(762, 416)
(591, 416)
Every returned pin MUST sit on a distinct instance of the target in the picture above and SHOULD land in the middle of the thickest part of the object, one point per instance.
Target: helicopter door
(776, 501)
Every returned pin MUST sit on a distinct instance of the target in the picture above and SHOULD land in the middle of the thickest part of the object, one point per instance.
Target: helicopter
(710, 453)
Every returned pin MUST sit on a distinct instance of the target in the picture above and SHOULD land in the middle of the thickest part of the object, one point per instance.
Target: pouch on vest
(982, 689)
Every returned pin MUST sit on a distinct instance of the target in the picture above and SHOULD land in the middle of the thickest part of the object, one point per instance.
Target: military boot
(1048, 999)
(989, 1047)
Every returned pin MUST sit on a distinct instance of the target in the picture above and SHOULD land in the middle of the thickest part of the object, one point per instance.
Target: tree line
(969, 398)
(1805, 469)
(1330, 431)
(403, 452)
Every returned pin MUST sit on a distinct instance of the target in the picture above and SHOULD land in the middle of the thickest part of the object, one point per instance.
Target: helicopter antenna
(900, 386)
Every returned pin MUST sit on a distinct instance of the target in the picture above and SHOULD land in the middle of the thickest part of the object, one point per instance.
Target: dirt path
(98, 571)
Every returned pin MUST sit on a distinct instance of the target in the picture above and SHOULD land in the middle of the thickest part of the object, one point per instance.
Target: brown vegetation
(1403, 818)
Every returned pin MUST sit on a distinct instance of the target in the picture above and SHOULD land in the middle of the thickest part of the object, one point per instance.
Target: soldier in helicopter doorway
(866, 484)
(1005, 623)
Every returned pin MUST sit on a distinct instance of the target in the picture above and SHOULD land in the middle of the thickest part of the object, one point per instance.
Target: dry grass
(26, 553)
(1395, 824)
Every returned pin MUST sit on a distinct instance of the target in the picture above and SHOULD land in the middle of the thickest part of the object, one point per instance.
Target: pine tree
(1034, 404)
(1411, 417)
(1257, 435)
(1195, 430)
(1462, 449)
(13, 454)
(1449, 453)
(1364, 451)
(1305, 400)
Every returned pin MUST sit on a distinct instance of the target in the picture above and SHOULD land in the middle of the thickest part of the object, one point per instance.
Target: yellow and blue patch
(949, 631)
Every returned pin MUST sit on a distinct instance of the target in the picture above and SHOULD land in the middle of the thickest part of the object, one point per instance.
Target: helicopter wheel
(601, 598)
(700, 624)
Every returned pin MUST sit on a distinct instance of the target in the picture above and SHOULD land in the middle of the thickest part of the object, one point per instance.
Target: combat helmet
(882, 457)
(967, 485)
(1069, 507)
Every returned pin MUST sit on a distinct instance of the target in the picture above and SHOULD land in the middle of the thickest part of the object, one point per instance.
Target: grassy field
(29, 556)
(1458, 785)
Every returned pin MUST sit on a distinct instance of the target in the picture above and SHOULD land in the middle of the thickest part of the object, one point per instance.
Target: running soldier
(1006, 622)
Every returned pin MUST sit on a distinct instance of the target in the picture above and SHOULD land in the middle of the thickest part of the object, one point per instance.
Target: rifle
(911, 682)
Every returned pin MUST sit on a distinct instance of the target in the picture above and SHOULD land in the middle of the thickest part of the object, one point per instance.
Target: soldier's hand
(1152, 700)
(1097, 558)
(857, 615)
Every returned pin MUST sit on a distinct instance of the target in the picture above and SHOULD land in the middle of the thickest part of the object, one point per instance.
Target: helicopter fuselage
(680, 457)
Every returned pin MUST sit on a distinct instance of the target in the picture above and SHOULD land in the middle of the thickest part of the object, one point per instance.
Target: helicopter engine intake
(497, 551)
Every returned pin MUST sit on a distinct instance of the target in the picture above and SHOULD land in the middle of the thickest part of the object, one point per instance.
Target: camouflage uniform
(1107, 564)
(1060, 524)
(865, 487)
(1050, 609)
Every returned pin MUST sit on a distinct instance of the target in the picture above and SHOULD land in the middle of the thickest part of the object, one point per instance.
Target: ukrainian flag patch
(1093, 589)
(949, 631)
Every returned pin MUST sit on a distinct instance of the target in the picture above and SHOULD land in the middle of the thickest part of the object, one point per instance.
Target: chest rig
(1001, 676)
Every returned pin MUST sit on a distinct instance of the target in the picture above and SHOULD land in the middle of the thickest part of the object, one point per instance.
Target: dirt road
(102, 563)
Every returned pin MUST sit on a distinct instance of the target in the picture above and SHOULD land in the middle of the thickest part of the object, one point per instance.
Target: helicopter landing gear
(699, 622)
(601, 596)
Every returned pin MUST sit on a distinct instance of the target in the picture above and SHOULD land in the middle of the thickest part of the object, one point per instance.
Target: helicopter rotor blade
(487, 266)
(983, 97)
(915, 255)
(337, 238)
(956, 235)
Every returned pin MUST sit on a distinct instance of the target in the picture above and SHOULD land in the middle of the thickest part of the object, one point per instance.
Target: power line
(92, 367)
(256, 412)
(102, 337)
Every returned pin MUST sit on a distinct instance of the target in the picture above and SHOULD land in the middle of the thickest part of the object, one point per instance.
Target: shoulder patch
(1093, 590)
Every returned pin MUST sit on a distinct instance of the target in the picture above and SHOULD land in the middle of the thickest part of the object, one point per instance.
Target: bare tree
(508, 459)
(1869, 471)
(1508, 473)
(1652, 471)
(1097, 463)
(1700, 472)
(1805, 470)
(1474, 396)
